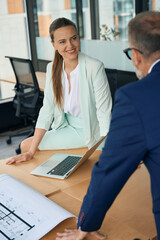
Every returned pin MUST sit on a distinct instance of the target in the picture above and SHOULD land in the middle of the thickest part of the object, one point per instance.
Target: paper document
(26, 214)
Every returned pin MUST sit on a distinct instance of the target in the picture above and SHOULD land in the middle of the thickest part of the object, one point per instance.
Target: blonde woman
(77, 102)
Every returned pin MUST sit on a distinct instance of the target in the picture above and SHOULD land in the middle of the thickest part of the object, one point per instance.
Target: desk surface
(41, 77)
(130, 215)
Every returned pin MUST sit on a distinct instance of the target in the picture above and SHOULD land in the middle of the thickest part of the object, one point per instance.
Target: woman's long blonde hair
(58, 61)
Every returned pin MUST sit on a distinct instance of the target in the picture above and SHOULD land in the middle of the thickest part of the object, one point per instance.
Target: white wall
(109, 52)
(13, 41)
(157, 5)
(52, 5)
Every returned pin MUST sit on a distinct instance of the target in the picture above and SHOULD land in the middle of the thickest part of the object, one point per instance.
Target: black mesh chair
(125, 77)
(112, 80)
(28, 97)
(119, 78)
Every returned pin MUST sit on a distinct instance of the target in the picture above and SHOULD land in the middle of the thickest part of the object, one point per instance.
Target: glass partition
(154, 5)
(114, 18)
(49, 10)
(13, 34)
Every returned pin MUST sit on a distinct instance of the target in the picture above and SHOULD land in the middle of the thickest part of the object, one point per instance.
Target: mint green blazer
(95, 101)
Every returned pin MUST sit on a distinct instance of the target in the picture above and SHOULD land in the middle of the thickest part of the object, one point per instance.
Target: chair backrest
(26, 88)
(24, 72)
(118, 78)
(125, 77)
(112, 80)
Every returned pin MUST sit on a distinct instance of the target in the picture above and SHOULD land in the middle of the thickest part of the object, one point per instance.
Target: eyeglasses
(127, 51)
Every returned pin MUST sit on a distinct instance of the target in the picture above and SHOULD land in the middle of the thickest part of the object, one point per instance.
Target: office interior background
(102, 26)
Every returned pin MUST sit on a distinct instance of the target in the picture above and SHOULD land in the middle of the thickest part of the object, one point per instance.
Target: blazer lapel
(84, 96)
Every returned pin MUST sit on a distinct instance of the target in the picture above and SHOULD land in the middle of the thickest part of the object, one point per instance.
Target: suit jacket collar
(155, 66)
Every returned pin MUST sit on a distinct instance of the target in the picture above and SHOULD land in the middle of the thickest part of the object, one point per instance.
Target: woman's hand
(20, 158)
(77, 234)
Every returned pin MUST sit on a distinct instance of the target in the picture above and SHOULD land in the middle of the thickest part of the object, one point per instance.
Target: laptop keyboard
(63, 167)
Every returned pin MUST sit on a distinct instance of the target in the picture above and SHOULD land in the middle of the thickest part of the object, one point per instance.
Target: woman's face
(66, 42)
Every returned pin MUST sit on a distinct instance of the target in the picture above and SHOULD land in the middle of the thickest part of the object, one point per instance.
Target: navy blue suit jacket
(134, 135)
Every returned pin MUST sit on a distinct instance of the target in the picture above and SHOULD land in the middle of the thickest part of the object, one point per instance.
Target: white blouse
(71, 103)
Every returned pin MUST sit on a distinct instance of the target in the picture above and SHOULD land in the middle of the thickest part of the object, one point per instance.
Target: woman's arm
(46, 112)
(38, 135)
(43, 123)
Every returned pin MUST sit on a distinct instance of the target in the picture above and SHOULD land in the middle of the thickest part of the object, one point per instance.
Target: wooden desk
(40, 185)
(81, 174)
(132, 205)
(41, 77)
(115, 230)
(130, 215)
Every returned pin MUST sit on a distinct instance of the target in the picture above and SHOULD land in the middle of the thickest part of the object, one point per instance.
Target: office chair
(28, 97)
(112, 80)
(119, 78)
(125, 77)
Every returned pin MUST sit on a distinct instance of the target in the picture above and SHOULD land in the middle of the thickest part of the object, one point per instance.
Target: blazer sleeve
(102, 97)
(124, 148)
(46, 113)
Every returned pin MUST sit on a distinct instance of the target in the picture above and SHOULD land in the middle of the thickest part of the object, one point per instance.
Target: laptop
(62, 165)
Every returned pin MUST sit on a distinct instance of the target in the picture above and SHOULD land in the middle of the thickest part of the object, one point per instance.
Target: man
(134, 131)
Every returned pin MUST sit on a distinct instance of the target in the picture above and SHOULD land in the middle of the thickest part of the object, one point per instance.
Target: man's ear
(136, 57)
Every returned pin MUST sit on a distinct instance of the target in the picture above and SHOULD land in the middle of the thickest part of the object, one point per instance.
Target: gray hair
(144, 32)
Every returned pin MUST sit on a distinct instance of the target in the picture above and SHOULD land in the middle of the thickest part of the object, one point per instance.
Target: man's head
(144, 38)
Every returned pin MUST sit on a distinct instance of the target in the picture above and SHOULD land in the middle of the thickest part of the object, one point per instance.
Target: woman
(77, 97)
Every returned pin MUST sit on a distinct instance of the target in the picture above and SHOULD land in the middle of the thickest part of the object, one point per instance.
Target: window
(45, 11)
(154, 5)
(92, 18)
(73, 4)
(115, 14)
(86, 19)
(14, 34)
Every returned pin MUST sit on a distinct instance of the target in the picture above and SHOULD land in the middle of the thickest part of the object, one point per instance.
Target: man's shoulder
(141, 90)
(138, 85)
